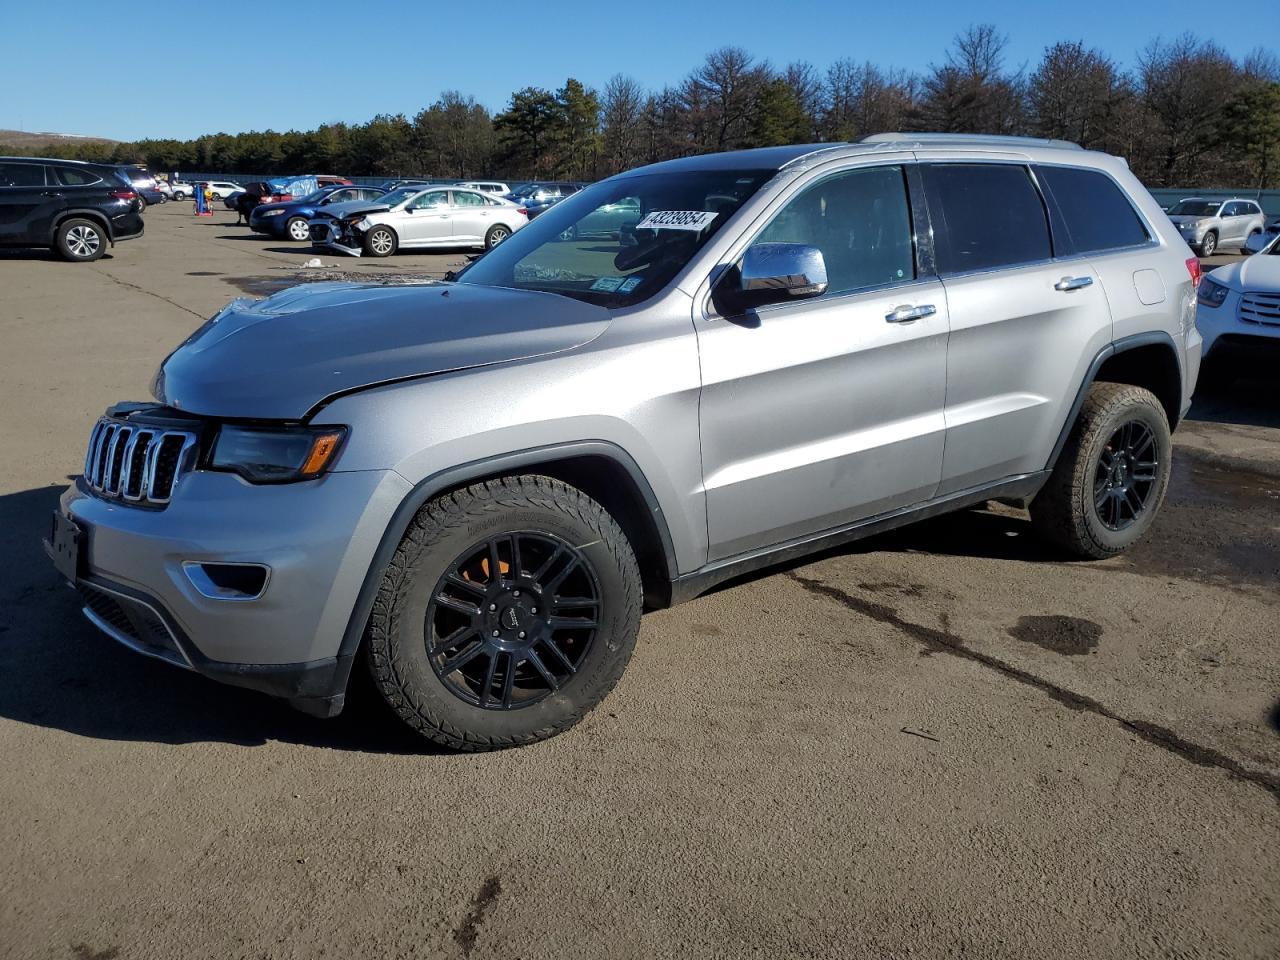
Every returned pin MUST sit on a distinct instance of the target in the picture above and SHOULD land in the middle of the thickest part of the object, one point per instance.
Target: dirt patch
(1217, 524)
(1072, 636)
(468, 931)
(944, 641)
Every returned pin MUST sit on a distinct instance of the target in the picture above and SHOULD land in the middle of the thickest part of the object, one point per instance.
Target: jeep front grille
(1261, 308)
(136, 462)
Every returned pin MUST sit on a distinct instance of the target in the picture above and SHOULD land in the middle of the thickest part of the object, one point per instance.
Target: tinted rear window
(985, 215)
(1090, 212)
(21, 175)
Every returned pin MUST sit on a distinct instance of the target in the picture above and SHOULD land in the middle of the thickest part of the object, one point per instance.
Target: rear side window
(860, 221)
(985, 216)
(71, 177)
(21, 175)
(1090, 212)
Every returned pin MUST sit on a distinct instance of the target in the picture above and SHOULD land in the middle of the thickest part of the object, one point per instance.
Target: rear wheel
(380, 242)
(298, 229)
(1111, 477)
(509, 610)
(81, 240)
(497, 233)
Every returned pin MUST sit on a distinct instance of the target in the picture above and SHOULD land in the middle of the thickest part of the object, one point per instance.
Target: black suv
(75, 208)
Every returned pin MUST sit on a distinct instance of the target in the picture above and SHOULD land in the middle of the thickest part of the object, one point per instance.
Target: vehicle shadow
(58, 671)
(38, 253)
(1246, 395)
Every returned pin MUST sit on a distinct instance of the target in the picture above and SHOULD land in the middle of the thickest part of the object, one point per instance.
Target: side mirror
(774, 273)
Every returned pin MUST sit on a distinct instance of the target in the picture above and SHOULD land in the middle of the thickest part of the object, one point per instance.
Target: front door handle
(1073, 283)
(52, 193)
(909, 314)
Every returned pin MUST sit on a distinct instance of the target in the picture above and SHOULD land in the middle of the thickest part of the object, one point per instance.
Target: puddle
(1217, 524)
(1071, 636)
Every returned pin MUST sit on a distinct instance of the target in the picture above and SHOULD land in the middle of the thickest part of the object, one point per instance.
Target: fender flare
(462, 474)
(1124, 344)
(87, 213)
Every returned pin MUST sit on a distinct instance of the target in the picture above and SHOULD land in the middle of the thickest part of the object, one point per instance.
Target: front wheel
(509, 610)
(380, 242)
(298, 229)
(81, 240)
(1209, 244)
(497, 233)
(1111, 477)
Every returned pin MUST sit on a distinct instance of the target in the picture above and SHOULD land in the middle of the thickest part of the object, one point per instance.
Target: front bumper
(317, 538)
(1220, 326)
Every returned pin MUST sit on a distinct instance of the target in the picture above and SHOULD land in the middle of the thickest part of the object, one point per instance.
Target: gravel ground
(941, 742)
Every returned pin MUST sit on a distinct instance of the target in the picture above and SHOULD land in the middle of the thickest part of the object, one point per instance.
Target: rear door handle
(1073, 283)
(909, 314)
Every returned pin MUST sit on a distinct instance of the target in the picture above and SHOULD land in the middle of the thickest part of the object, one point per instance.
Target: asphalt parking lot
(941, 742)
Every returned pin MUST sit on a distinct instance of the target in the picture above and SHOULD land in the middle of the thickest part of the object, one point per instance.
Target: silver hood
(279, 358)
(347, 208)
(1186, 221)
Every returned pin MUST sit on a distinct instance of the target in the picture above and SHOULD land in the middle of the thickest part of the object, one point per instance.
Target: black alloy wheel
(512, 619)
(1127, 471)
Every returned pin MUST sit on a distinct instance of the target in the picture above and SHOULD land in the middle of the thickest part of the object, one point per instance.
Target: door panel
(471, 217)
(822, 414)
(26, 204)
(429, 221)
(1019, 350)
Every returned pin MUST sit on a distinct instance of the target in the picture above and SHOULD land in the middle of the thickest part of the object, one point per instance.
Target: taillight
(124, 195)
(1193, 268)
(523, 210)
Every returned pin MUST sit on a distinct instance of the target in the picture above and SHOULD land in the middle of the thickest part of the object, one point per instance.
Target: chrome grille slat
(123, 461)
(1260, 308)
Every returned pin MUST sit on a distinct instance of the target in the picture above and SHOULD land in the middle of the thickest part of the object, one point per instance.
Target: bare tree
(720, 96)
(862, 99)
(1075, 94)
(622, 106)
(970, 93)
(1185, 84)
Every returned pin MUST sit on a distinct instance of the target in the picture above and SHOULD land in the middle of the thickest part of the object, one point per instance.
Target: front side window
(861, 222)
(21, 175)
(621, 241)
(431, 200)
(1090, 212)
(985, 216)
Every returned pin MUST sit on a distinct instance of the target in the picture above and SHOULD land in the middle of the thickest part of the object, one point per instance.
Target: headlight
(273, 213)
(276, 454)
(1210, 293)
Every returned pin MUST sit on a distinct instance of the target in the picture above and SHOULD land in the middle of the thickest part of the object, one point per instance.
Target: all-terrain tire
(450, 527)
(1066, 511)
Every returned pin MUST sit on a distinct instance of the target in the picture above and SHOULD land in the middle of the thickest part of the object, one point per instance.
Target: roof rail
(970, 139)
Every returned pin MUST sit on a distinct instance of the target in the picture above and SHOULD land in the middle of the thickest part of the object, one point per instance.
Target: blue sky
(157, 78)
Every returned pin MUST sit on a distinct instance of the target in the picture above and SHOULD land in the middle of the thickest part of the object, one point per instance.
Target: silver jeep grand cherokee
(475, 487)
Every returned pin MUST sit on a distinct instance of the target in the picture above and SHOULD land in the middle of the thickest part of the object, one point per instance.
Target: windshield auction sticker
(694, 220)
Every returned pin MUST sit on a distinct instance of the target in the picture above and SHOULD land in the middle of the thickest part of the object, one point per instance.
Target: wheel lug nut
(495, 633)
(520, 634)
(516, 593)
(493, 606)
(533, 609)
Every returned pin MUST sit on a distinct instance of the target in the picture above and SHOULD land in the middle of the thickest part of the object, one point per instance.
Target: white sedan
(1238, 306)
(415, 217)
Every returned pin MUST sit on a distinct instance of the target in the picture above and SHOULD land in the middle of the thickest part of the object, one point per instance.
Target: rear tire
(1111, 476)
(497, 233)
(80, 240)
(380, 242)
(478, 660)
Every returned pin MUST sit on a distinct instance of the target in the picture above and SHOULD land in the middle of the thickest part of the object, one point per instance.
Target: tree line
(1187, 114)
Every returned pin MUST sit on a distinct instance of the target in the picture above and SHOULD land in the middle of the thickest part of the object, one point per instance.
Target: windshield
(399, 195)
(1194, 208)
(620, 241)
